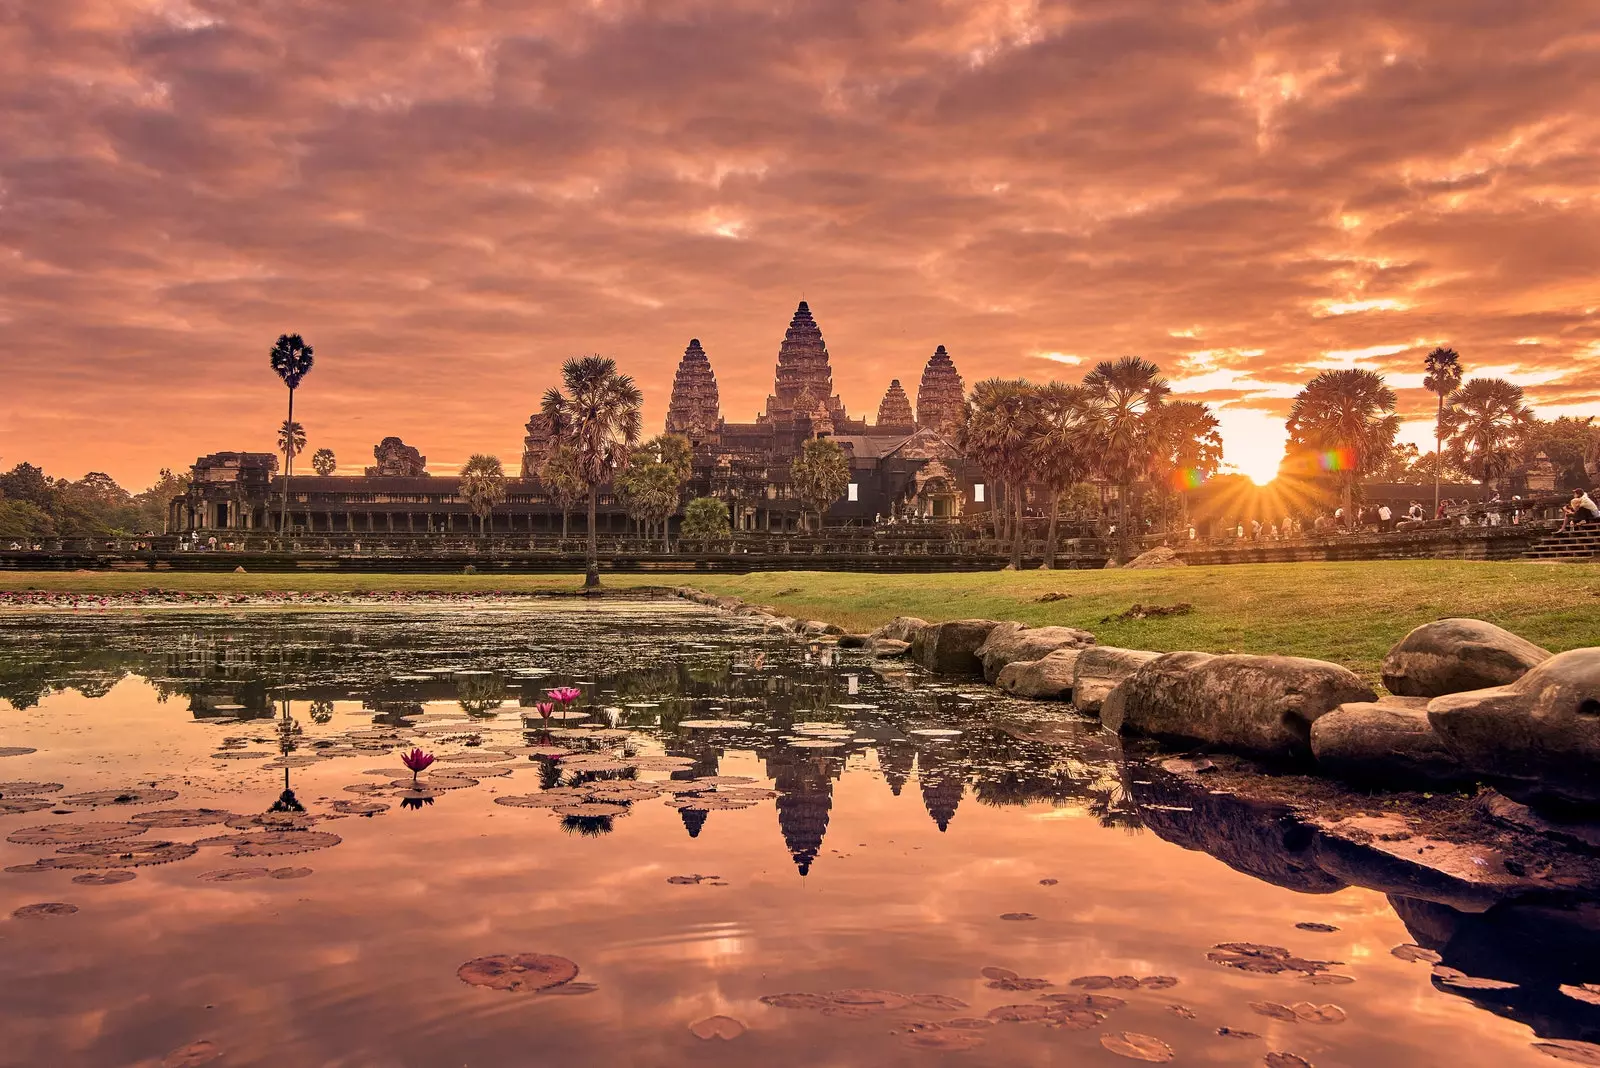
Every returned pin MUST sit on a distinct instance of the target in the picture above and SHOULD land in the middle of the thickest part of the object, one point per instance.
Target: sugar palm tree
(562, 482)
(323, 462)
(819, 475)
(1482, 423)
(1348, 415)
(1125, 394)
(1060, 447)
(1186, 447)
(483, 485)
(996, 436)
(1443, 375)
(291, 439)
(598, 416)
(291, 360)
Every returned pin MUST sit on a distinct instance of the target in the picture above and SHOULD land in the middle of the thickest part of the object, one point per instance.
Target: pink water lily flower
(416, 760)
(544, 708)
(565, 694)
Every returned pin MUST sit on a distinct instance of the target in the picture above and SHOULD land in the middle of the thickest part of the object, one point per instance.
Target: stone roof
(895, 408)
(694, 409)
(941, 398)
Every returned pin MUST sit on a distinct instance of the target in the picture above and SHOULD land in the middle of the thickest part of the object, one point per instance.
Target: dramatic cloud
(448, 199)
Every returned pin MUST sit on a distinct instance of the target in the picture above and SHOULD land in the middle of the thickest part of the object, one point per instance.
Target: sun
(1252, 442)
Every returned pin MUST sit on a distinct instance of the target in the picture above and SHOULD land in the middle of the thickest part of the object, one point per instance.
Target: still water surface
(843, 855)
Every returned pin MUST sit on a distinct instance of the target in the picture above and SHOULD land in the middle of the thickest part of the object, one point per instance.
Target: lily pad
(591, 810)
(1319, 928)
(714, 724)
(1159, 982)
(945, 1040)
(74, 833)
(121, 854)
(1285, 1060)
(1328, 979)
(45, 908)
(17, 806)
(1234, 1032)
(968, 1023)
(1072, 1019)
(518, 971)
(1018, 916)
(15, 750)
(1018, 1013)
(724, 1028)
(1264, 960)
(992, 972)
(814, 1002)
(940, 1002)
(22, 788)
(1137, 1047)
(1570, 1050)
(104, 878)
(1460, 980)
(272, 843)
(232, 875)
(181, 817)
(359, 808)
(131, 796)
(1275, 1011)
(1408, 952)
(1182, 1012)
(1311, 1012)
(1585, 992)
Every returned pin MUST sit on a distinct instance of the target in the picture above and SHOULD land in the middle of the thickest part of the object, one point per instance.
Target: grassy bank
(1346, 612)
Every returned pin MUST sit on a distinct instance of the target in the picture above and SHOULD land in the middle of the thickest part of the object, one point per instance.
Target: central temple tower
(803, 385)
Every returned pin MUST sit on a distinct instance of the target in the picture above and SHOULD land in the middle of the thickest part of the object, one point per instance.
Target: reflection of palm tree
(587, 826)
(481, 696)
(321, 711)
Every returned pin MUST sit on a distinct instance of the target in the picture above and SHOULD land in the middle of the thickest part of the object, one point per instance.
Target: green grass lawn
(1349, 613)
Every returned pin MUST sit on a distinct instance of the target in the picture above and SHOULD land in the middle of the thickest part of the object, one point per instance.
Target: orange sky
(447, 199)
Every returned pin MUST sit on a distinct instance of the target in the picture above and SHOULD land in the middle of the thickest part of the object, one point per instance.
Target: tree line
(34, 505)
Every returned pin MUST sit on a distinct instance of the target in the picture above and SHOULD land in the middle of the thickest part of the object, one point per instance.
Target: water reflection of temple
(942, 782)
(803, 779)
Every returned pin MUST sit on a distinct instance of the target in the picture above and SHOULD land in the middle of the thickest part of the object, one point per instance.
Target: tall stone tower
(941, 400)
(895, 408)
(804, 382)
(694, 410)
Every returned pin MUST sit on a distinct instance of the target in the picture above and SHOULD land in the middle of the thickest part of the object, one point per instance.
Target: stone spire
(941, 402)
(802, 367)
(895, 408)
(694, 410)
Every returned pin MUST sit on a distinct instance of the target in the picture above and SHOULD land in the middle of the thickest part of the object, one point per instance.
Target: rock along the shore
(1263, 705)
(1454, 655)
(1010, 642)
(1098, 670)
(952, 648)
(1389, 743)
(1047, 679)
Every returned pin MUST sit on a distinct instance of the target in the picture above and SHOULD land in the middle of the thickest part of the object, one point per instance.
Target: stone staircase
(1580, 543)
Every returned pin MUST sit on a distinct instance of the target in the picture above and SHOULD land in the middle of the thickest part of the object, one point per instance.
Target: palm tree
(819, 475)
(1443, 367)
(291, 361)
(1483, 420)
(562, 482)
(1349, 415)
(1125, 395)
(1060, 448)
(323, 462)
(483, 485)
(996, 436)
(1186, 446)
(291, 439)
(598, 416)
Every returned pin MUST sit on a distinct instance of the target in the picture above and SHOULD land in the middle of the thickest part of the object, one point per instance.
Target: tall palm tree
(996, 436)
(483, 485)
(563, 484)
(1060, 448)
(1482, 423)
(291, 361)
(599, 416)
(1443, 367)
(1348, 415)
(1186, 446)
(1126, 393)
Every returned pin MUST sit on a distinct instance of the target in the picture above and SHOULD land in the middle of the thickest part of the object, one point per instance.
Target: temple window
(977, 493)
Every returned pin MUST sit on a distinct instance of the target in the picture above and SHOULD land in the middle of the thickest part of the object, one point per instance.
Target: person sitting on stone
(1580, 510)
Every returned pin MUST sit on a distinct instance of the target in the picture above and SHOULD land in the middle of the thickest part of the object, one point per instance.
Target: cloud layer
(449, 199)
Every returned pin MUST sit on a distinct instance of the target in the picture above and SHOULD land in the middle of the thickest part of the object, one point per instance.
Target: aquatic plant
(416, 761)
(564, 694)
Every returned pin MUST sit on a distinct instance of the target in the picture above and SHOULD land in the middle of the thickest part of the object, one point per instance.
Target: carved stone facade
(941, 400)
(396, 459)
(895, 408)
(536, 445)
(694, 410)
(803, 385)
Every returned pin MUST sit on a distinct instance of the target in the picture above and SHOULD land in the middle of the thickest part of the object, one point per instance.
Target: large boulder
(887, 647)
(1099, 669)
(1539, 736)
(1388, 742)
(1263, 705)
(1010, 642)
(1454, 655)
(952, 648)
(1047, 679)
(900, 628)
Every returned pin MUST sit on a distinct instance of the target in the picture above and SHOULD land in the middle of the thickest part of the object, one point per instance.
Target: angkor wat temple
(906, 464)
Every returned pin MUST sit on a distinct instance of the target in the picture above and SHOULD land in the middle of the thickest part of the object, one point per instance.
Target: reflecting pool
(729, 849)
